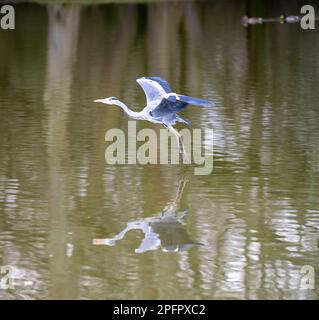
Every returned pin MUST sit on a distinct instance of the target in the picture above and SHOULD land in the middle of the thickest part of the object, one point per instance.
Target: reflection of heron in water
(166, 230)
(162, 105)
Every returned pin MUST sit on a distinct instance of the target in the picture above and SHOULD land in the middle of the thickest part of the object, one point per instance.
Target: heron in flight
(162, 106)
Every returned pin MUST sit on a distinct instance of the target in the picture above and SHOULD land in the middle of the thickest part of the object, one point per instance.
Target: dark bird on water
(162, 105)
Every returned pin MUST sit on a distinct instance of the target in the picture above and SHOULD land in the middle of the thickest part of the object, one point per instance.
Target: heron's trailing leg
(180, 144)
(173, 206)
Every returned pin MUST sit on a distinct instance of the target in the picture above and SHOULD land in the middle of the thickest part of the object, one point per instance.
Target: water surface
(244, 231)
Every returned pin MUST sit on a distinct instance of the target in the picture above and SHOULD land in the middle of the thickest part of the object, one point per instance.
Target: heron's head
(109, 100)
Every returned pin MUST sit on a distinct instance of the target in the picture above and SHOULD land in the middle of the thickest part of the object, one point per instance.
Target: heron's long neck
(130, 113)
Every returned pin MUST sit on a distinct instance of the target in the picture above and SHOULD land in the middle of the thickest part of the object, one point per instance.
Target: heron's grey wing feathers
(155, 89)
(163, 83)
(162, 102)
(169, 119)
(196, 101)
(174, 104)
(151, 93)
(167, 106)
(183, 120)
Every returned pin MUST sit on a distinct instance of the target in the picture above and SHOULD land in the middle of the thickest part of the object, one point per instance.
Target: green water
(245, 231)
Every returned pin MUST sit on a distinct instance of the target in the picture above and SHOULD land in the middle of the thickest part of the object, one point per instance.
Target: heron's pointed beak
(99, 100)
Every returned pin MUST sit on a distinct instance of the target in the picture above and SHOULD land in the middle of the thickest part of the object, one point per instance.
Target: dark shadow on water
(165, 231)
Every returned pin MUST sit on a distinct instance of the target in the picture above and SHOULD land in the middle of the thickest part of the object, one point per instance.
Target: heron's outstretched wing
(155, 89)
(162, 103)
(168, 107)
(194, 101)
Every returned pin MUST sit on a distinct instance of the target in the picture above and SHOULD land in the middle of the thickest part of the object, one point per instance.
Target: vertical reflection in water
(165, 230)
(61, 51)
(162, 45)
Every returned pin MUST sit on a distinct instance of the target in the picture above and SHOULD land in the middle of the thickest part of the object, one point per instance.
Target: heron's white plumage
(154, 92)
(172, 94)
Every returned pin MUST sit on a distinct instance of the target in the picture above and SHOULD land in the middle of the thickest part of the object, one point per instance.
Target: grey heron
(162, 106)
